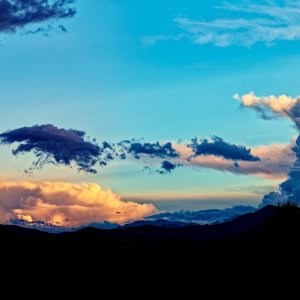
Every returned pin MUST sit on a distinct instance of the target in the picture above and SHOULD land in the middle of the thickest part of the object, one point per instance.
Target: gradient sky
(127, 69)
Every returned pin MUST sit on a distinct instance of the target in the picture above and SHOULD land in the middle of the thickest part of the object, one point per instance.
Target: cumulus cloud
(16, 14)
(66, 204)
(273, 198)
(218, 147)
(290, 188)
(270, 107)
(275, 161)
(282, 106)
(52, 145)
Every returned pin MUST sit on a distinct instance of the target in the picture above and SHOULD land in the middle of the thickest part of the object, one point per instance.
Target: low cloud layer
(16, 14)
(66, 204)
(52, 145)
(202, 217)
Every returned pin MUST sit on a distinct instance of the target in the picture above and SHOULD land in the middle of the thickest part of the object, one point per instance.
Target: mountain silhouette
(255, 242)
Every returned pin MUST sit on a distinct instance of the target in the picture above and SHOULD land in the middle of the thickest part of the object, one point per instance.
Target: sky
(173, 71)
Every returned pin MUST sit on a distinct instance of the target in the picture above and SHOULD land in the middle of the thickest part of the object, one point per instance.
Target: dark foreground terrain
(270, 235)
(269, 227)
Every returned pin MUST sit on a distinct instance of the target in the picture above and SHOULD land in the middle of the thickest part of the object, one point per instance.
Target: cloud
(151, 40)
(152, 154)
(290, 188)
(251, 22)
(273, 198)
(168, 166)
(66, 204)
(202, 217)
(270, 107)
(283, 106)
(275, 161)
(218, 147)
(149, 149)
(16, 14)
(51, 145)
(69, 147)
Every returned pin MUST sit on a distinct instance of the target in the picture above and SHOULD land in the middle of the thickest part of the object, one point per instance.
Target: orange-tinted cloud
(66, 204)
(275, 161)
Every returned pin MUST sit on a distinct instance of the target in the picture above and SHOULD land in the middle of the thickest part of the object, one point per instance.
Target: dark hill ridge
(267, 237)
(153, 231)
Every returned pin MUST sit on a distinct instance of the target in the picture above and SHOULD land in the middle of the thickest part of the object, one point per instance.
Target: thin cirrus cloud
(17, 14)
(66, 204)
(250, 22)
(270, 107)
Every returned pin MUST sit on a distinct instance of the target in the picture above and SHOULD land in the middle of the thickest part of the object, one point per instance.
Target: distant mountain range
(166, 219)
(157, 230)
(269, 236)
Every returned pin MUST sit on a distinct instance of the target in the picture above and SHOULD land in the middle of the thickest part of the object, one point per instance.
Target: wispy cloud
(248, 24)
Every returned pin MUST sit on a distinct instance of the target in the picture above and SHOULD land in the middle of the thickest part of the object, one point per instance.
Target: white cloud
(280, 105)
(270, 107)
(66, 204)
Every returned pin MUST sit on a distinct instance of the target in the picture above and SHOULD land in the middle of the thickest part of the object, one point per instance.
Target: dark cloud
(167, 167)
(70, 147)
(273, 198)
(290, 189)
(218, 147)
(154, 151)
(57, 146)
(149, 149)
(294, 113)
(16, 14)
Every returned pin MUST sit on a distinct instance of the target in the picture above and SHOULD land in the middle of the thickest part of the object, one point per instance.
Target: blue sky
(106, 78)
